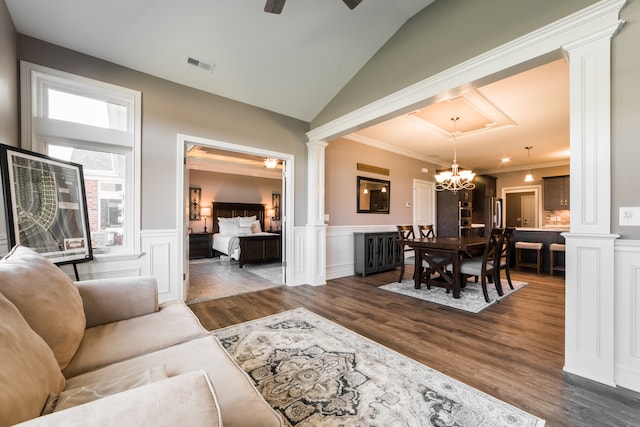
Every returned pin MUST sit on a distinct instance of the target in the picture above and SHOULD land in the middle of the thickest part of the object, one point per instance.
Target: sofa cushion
(186, 400)
(81, 395)
(102, 345)
(240, 402)
(47, 298)
(29, 371)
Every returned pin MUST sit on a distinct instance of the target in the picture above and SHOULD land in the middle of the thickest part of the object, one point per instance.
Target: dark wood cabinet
(556, 193)
(448, 205)
(200, 245)
(266, 248)
(447, 220)
(375, 252)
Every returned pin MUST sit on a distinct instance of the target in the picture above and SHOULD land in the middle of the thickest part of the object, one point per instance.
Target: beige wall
(341, 158)
(220, 187)
(169, 109)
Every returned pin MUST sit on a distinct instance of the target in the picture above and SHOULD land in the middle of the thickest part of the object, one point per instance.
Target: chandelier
(271, 163)
(455, 179)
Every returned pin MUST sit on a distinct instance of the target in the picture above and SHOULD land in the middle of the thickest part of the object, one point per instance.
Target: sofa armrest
(186, 399)
(112, 300)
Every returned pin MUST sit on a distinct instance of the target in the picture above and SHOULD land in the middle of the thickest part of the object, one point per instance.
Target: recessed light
(505, 160)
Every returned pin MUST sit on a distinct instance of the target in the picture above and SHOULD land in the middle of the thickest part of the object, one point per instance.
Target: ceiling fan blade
(351, 4)
(274, 6)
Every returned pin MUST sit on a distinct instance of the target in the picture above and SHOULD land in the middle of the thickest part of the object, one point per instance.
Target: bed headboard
(232, 210)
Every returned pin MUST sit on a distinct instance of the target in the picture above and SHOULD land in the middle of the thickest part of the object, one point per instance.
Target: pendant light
(529, 177)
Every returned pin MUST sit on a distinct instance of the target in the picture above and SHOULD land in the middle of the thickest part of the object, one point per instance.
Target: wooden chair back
(426, 231)
(507, 243)
(493, 249)
(405, 232)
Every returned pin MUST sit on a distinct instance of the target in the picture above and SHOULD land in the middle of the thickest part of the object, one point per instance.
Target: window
(94, 124)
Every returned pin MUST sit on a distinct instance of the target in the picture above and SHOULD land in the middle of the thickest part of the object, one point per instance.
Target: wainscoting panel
(627, 291)
(299, 254)
(160, 259)
(340, 248)
(589, 308)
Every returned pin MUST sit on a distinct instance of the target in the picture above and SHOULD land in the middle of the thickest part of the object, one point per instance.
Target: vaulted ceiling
(295, 62)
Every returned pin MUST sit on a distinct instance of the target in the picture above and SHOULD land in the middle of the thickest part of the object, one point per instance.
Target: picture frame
(195, 199)
(45, 205)
(275, 203)
(373, 195)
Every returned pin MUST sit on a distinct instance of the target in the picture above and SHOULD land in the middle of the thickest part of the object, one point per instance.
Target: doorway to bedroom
(219, 172)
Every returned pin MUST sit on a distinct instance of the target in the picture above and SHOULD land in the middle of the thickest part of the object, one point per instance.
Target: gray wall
(169, 109)
(8, 79)
(8, 95)
(449, 32)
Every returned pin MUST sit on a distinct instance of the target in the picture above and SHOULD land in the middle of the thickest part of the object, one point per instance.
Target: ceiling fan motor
(275, 6)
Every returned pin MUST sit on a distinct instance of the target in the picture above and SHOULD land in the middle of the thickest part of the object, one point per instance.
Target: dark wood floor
(512, 351)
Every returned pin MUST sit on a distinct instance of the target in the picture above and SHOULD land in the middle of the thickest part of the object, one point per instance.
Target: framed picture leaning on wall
(45, 205)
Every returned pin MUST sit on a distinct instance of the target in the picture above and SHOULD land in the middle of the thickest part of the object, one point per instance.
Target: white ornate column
(315, 253)
(589, 308)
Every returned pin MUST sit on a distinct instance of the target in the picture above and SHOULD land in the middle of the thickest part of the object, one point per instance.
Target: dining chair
(505, 254)
(405, 232)
(483, 266)
(426, 231)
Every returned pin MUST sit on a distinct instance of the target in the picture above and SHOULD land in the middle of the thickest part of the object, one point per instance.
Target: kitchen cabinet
(448, 205)
(375, 252)
(484, 203)
(556, 193)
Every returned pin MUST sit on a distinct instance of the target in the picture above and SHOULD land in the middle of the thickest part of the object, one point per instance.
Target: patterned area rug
(317, 373)
(471, 297)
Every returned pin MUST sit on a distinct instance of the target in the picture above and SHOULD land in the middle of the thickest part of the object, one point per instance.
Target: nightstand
(200, 245)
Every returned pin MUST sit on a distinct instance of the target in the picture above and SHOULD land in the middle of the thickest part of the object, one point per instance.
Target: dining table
(443, 256)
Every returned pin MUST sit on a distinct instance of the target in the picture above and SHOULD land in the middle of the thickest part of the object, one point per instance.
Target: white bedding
(230, 245)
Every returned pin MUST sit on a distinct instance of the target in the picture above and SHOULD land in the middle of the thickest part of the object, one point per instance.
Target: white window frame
(38, 131)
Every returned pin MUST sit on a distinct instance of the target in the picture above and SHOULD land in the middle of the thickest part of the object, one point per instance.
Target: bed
(238, 233)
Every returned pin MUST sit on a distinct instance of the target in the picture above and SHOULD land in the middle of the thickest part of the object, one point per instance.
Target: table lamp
(205, 212)
(270, 213)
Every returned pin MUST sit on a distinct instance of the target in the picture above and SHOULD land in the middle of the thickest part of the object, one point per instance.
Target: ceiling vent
(203, 65)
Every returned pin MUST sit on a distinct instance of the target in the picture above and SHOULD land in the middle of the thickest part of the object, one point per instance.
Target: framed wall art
(195, 195)
(45, 205)
(275, 203)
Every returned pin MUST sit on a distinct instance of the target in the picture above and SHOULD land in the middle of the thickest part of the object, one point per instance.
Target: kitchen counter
(544, 235)
(550, 229)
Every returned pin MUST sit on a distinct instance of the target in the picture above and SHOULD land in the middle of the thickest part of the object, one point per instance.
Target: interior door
(424, 203)
(185, 224)
(283, 223)
(529, 217)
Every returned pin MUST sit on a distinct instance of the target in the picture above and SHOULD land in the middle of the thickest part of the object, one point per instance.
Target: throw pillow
(29, 371)
(46, 298)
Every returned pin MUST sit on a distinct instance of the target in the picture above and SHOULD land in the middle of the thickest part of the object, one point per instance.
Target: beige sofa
(104, 352)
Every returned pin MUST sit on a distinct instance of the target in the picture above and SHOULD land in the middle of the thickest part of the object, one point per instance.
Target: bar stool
(534, 246)
(553, 248)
